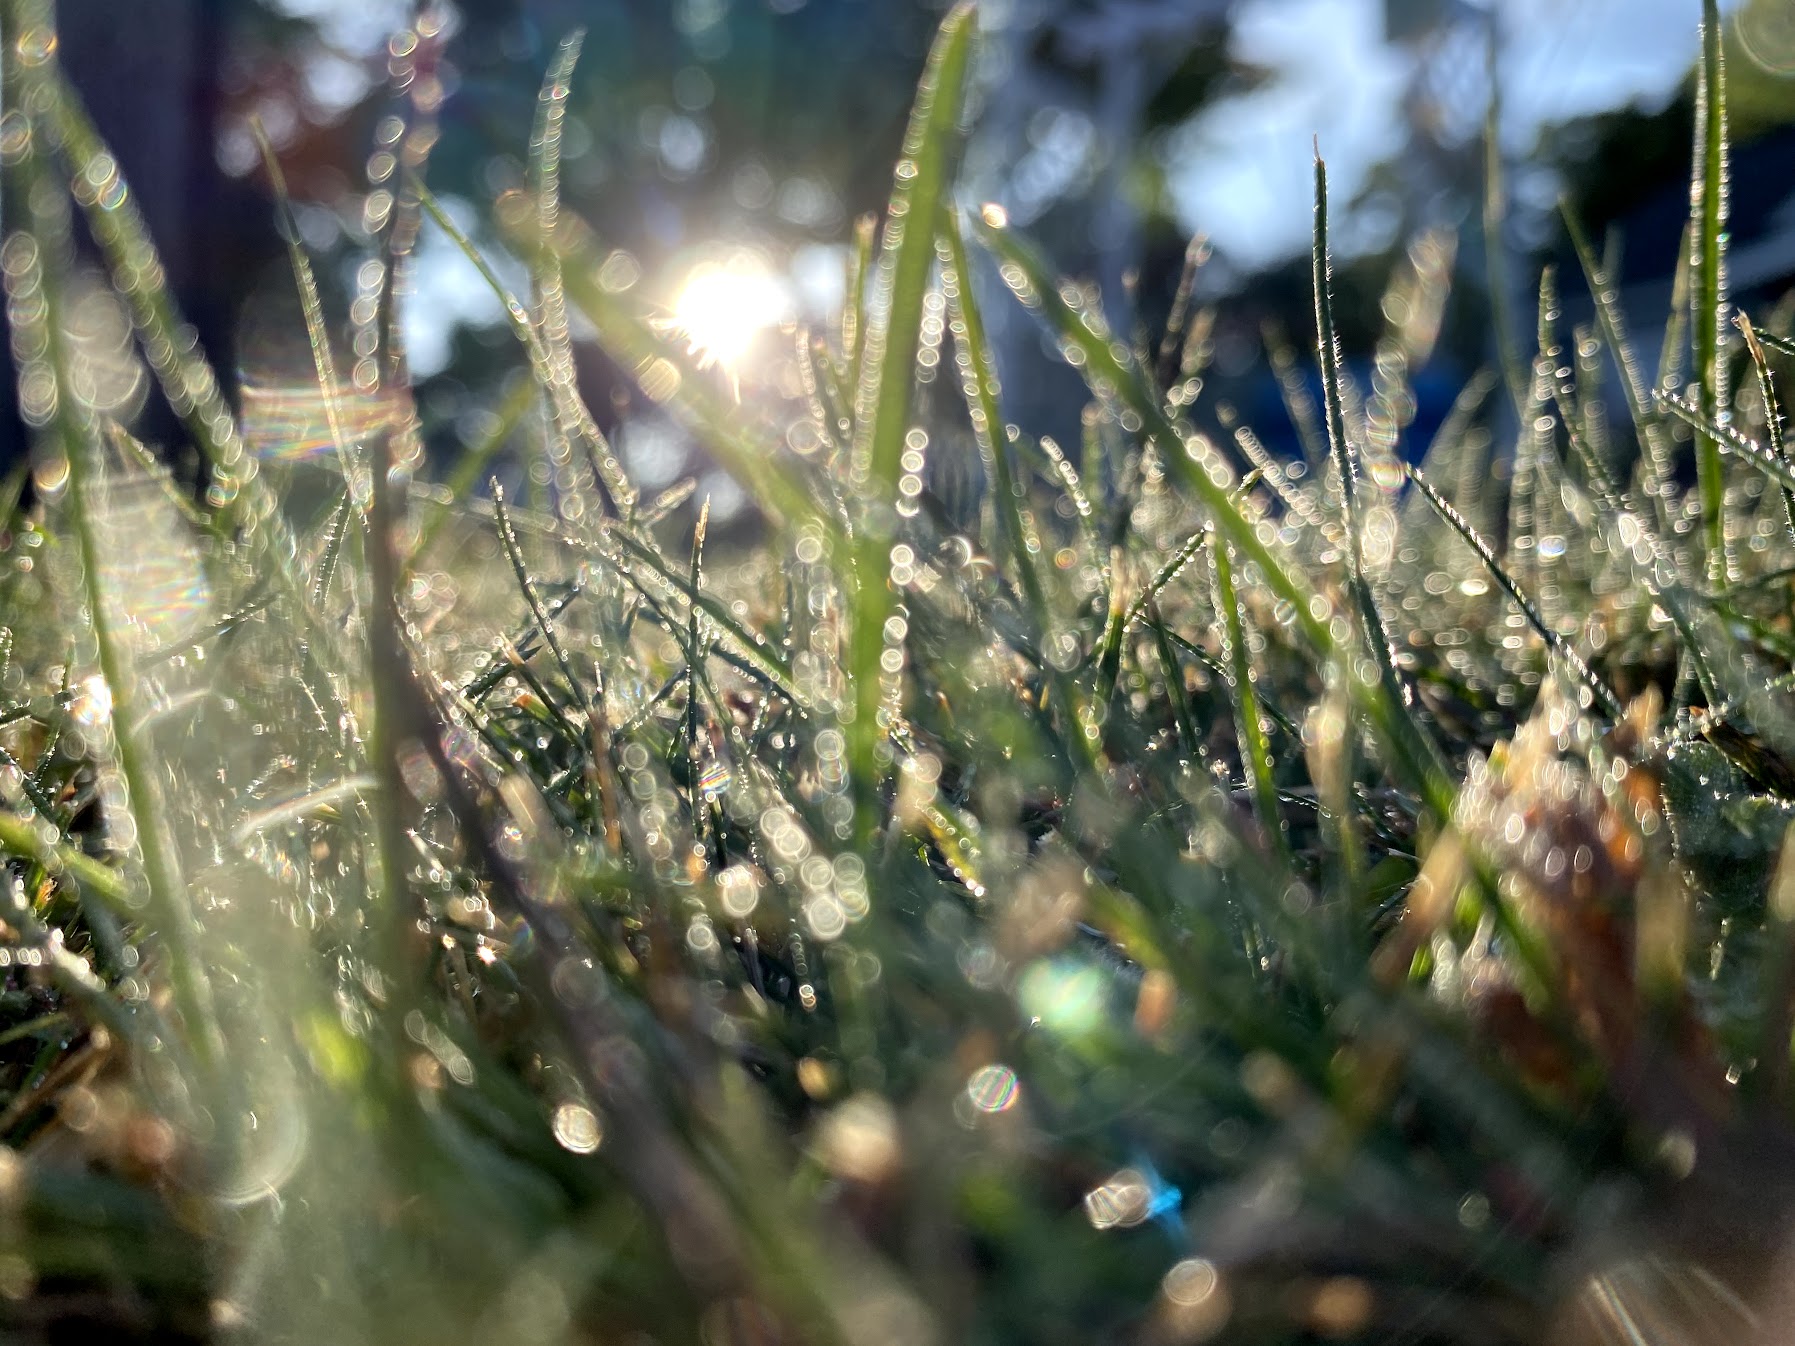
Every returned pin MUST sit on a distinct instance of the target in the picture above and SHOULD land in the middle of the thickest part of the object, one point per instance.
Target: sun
(722, 307)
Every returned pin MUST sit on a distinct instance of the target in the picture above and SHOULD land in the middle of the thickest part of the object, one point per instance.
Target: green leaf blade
(888, 372)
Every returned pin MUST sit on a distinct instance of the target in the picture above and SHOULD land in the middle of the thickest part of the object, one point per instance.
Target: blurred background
(741, 138)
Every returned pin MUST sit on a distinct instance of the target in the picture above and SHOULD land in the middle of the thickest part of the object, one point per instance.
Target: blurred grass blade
(1773, 412)
(888, 375)
(1074, 488)
(978, 382)
(1171, 341)
(853, 313)
(551, 296)
(1707, 292)
(1298, 404)
(349, 456)
(111, 213)
(238, 492)
(1417, 743)
(1113, 375)
(1299, 501)
(1610, 703)
(38, 255)
(1654, 445)
(1249, 724)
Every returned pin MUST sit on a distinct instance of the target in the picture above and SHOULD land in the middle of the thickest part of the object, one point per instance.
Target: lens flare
(722, 308)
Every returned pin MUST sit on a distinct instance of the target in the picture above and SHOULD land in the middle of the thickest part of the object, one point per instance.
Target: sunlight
(723, 307)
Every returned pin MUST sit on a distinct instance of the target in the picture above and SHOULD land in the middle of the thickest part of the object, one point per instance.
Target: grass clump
(1180, 895)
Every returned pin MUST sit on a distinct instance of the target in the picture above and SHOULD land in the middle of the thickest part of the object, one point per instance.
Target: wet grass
(1171, 895)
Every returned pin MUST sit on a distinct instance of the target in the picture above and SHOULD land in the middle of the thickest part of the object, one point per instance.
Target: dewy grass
(1185, 897)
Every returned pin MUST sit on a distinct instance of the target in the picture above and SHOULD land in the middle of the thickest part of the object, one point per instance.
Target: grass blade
(1113, 375)
(1707, 291)
(1249, 724)
(1773, 412)
(1171, 341)
(1779, 470)
(111, 213)
(551, 366)
(349, 458)
(1417, 743)
(1655, 449)
(1298, 404)
(888, 375)
(38, 252)
(334, 534)
(978, 382)
(853, 313)
(1555, 642)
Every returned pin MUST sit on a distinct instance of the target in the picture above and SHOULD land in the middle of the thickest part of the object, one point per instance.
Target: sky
(1240, 172)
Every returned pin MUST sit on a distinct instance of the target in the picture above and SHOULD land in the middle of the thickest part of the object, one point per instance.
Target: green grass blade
(1190, 740)
(1074, 488)
(1610, 703)
(1780, 344)
(1707, 294)
(1495, 247)
(1168, 572)
(551, 294)
(238, 492)
(1673, 353)
(853, 313)
(335, 532)
(527, 586)
(551, 366)
(1171, 341)
(545, 185)
(760, 659)
(111, 213)
(694, 718)
(1417, 742)
(1298, 501)
(349, 456)
(978, 381)
(822, 390)
(1654, 445)
(1773, 412)
(1249, 724)
(1731, 441)
(1113, 375)
(516, 315)
(39, 257)
(888, 376)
